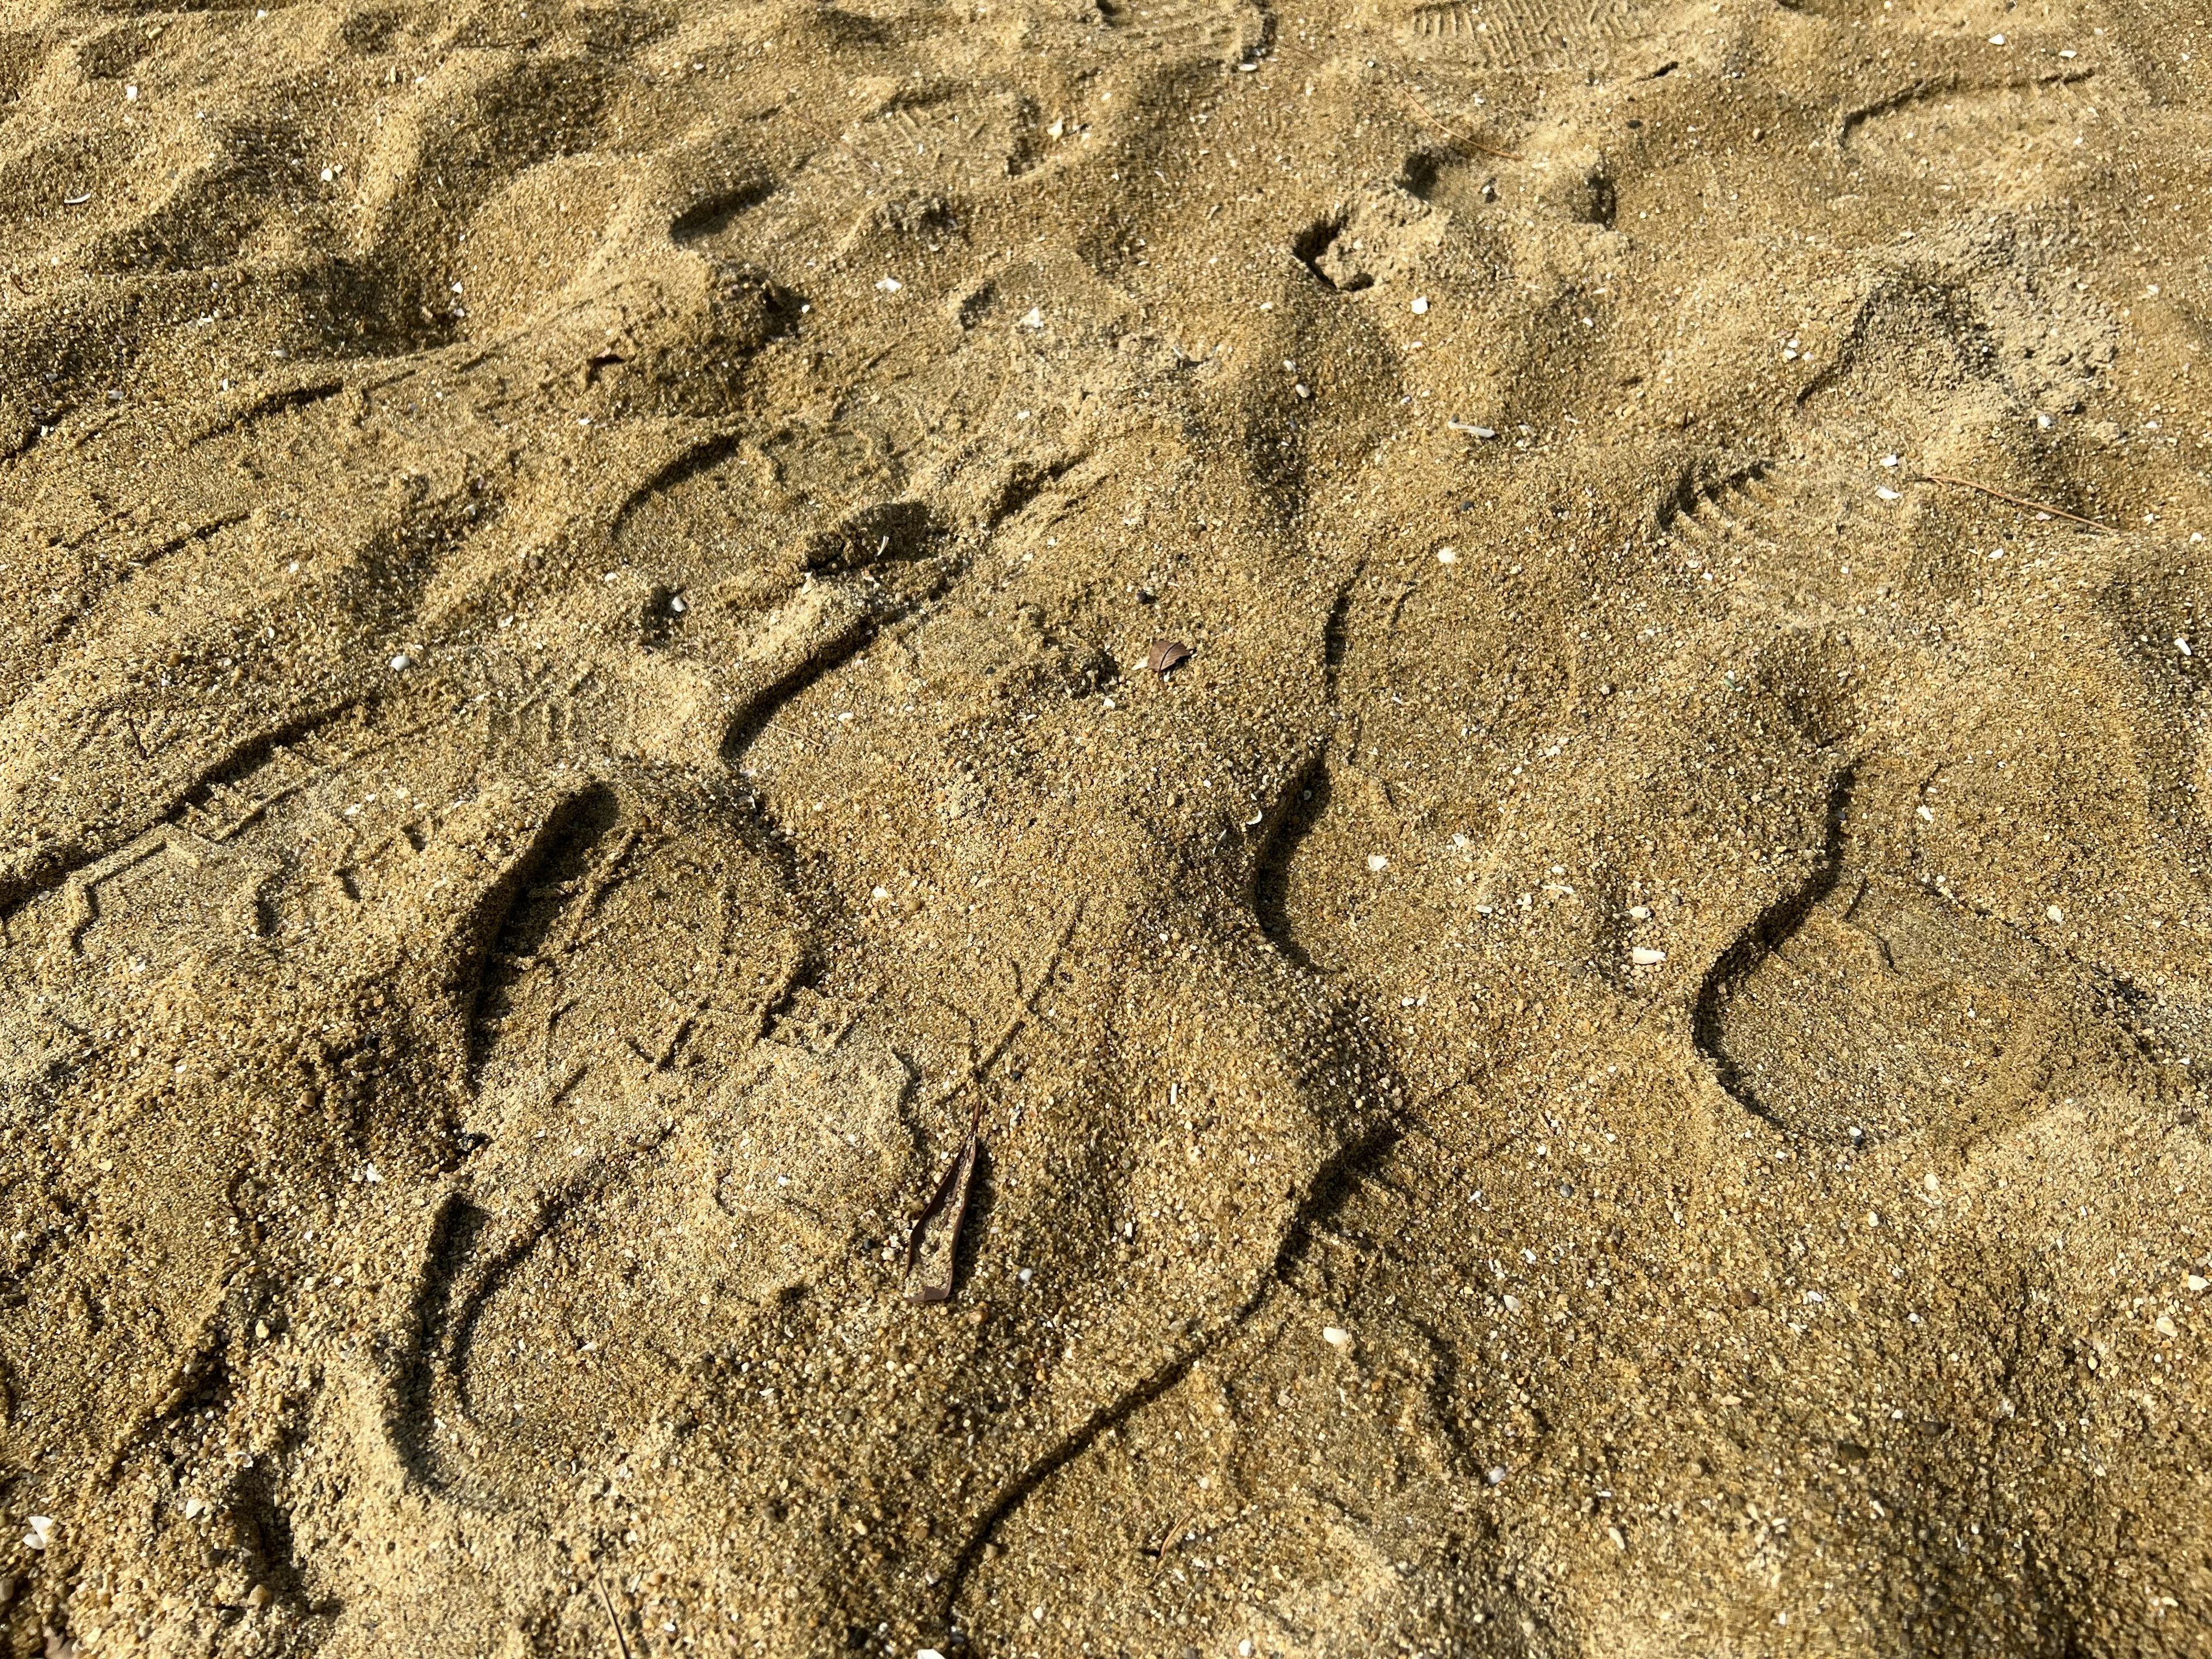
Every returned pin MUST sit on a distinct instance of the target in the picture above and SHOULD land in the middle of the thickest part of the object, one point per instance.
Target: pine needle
(2017, 500)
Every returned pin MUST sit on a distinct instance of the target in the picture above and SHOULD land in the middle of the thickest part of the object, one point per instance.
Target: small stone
(2198, 1283)
(2054, 912)
(1495, 1477)
(41, 1533)
(1447, 555)
(1421, 306)
(1034, 320)
(195, 1508)
(2164, 1326)
(1336, 1336)
(258, 1597)
(1377, 863)
(401, 663)
(1645, 956)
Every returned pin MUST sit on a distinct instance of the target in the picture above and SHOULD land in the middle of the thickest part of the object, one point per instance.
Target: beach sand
(1455, 751)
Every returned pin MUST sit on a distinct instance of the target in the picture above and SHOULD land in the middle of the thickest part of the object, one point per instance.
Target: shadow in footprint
(1304, 802)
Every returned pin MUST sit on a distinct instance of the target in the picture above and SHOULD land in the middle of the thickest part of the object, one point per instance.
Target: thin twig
(2016, 500)
(607, 1601)
(1421, 109)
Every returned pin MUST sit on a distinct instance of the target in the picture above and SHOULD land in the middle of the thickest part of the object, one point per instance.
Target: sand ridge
(1608, 1065)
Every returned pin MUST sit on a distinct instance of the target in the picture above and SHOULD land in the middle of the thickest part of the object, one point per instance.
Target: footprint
(1520, 35)
(1875, 1006)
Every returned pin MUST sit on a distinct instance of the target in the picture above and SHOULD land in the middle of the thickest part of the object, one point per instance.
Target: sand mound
(1508, 692)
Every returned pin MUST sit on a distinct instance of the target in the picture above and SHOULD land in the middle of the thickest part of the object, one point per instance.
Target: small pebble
(2198, 1283)
(1447, 555)
(1377, 863)
(1640, 912)
(2164, 1326)
(402, 663)
(2054, 912)
(41, 1533)
(1644, 955)
(1336, 1336)
(195, 1508)
(1421, 306)
(1495, 1477)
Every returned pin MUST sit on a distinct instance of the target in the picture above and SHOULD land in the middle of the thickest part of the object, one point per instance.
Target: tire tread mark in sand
(1766, 935)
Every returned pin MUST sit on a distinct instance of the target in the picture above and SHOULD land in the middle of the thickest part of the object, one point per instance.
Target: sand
(1481, 725)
